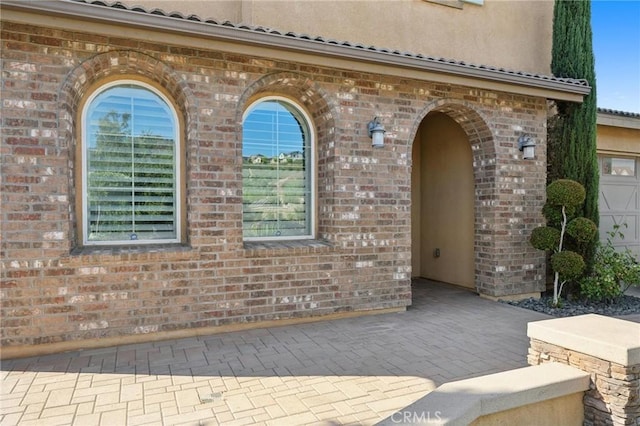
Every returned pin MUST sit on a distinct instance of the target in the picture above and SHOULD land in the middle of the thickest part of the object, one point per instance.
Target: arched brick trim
(322, 110)
(303, 90)
(121, 62)
(472, 122)
(484, 151)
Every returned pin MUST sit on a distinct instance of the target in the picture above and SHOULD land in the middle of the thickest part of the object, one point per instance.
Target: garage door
(619, 204)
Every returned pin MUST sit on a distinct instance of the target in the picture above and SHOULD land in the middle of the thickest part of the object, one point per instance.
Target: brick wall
(53, 290)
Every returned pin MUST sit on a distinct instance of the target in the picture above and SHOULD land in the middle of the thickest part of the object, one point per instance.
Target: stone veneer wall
(614, 394)
(54, 290)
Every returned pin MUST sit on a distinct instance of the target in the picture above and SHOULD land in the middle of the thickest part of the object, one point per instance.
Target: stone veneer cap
(607, 338)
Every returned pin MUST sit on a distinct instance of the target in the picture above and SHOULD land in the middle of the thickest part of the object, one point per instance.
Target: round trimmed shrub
(568, 264)
(565, 192)
(553, 213)
(583, 230)
(545, 238)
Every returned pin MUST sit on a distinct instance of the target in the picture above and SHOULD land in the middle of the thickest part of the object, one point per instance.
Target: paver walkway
(349, 371)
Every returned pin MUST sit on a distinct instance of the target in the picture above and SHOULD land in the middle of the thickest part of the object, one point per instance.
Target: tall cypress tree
(572, 132)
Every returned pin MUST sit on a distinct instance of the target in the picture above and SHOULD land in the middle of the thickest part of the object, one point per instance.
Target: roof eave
(280, 41)
(614, 118)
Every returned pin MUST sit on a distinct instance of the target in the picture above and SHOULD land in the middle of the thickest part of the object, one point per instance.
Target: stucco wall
(567, 411)
(509, 34)
(55, 290)
(618, 140)
(444, 197)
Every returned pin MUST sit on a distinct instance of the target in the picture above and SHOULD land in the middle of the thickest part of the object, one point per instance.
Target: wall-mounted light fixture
(527, 145)
(376, 133)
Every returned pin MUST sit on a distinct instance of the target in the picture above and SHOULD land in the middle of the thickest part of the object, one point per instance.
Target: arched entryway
(443, 211)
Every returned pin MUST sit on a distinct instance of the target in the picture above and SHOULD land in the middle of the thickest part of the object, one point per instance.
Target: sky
(615, 25)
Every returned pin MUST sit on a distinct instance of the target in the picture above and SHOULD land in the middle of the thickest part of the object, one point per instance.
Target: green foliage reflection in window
(130, 173)
(276, 172)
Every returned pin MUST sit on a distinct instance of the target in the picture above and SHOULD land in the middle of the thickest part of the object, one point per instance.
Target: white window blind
(277, 165)
(131, 173)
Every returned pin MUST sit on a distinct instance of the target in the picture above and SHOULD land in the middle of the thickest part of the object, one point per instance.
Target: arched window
(130, 166)
(277, 171)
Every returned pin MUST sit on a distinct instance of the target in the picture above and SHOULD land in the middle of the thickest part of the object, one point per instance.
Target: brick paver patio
(349, 371)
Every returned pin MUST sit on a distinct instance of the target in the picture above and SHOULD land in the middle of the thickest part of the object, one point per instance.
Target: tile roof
(618, 113)
(318, 44)
(323, 40)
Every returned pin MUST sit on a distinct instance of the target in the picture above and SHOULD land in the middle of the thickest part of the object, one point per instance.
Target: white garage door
(619, 202)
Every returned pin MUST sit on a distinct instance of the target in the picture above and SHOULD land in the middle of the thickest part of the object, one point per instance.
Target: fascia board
(613, 120)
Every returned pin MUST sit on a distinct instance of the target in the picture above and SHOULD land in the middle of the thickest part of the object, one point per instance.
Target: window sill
(129, 249)
(269, 248)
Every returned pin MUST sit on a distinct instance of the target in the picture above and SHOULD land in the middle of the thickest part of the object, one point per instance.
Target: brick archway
(321, 109)
(83, 77)
(483, 158)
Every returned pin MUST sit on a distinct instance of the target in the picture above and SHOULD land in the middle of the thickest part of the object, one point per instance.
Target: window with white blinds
(277, 172)
(130, 166)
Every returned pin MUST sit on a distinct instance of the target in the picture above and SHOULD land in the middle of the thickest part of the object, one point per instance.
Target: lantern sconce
(376, 133)
(527, 145)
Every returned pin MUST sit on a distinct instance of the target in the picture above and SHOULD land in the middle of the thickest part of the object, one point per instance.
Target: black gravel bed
(625, 305)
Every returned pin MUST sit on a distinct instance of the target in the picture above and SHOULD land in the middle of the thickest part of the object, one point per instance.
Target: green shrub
(600, 287)
(568, 264)
(612, 274)
(545, 238)
(583, 230)
(565, 192)
(553, 214)
(564, 197)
